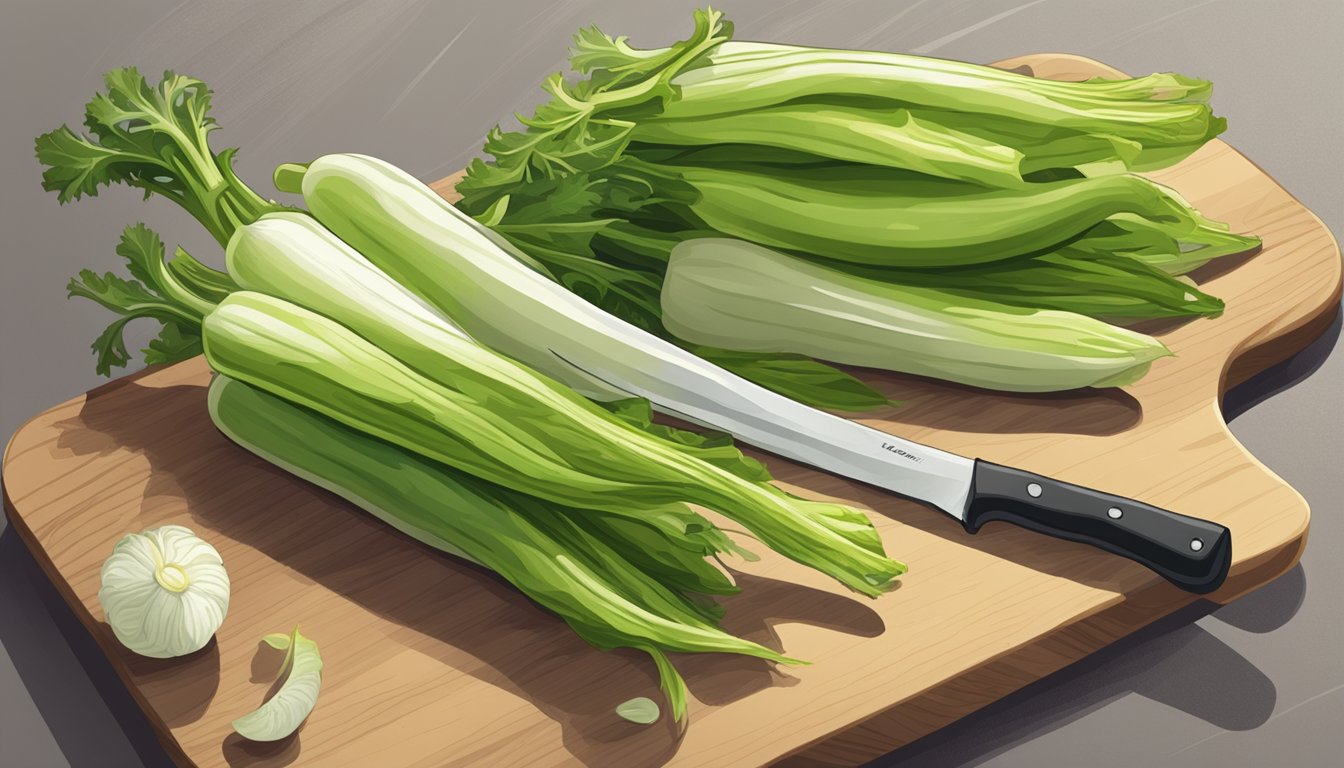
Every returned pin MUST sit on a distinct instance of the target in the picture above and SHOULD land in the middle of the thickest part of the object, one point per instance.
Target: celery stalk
(740, 76)
(536, 546)
(738, 295)
(880, 217)
(481, 425)
(895, 139)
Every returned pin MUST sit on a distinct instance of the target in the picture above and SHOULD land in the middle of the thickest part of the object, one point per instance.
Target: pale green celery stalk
(1162, 109)
(1158, 87)
(946, 144)
(292, 257)
(738, 295)
(606, 600)
(443, 255)
(893, 138)
(500, 433)
(883, 217)
(485, 425)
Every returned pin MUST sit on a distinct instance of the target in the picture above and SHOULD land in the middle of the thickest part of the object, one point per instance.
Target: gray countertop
(1258, 682)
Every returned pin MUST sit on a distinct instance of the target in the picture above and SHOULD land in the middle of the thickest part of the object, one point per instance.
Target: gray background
(418, 83)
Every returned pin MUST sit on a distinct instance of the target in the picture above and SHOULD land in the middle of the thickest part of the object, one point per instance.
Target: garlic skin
(164, 591)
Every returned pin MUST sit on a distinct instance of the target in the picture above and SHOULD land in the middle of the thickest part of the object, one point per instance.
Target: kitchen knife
(1191, 553)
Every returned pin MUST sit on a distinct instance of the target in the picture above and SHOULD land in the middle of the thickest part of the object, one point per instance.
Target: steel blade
(785, 427)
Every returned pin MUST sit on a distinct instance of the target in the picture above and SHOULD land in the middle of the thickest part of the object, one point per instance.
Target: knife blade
(1192, 553)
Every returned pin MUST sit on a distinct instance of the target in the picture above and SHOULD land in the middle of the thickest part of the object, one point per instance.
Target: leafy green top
(585, 127)
(154, 138)
(155, 292)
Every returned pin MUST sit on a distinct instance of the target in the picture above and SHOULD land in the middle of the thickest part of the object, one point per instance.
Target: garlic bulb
(165, 591)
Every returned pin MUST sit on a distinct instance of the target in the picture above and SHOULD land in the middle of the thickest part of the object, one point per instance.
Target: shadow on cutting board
(1173, 661)
(443, 607)
(944, 405)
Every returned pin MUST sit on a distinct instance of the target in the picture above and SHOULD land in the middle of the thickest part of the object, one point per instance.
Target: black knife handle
(1194, 554)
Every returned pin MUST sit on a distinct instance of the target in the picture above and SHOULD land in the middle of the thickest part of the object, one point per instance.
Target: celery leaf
(153, 138)
(151, 294)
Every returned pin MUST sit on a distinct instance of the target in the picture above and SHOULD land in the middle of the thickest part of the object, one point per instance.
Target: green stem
(173, 290)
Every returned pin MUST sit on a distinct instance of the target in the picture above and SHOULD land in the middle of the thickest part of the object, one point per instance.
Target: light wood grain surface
(433, 662)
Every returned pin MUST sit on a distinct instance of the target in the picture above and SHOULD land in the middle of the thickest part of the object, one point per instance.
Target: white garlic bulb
(165, 591)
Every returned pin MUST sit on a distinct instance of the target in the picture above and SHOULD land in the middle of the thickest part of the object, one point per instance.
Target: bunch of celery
(966, 182)
(333, 366)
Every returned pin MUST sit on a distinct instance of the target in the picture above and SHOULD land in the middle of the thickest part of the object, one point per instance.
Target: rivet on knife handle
(1193, 554)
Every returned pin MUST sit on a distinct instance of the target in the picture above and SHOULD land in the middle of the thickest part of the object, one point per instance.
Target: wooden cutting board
(432, 662)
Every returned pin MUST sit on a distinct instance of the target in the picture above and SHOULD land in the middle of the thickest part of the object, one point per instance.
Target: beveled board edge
(92, 625)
